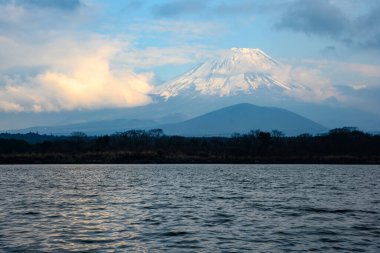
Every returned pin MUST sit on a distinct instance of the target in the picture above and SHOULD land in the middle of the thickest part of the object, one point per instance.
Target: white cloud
(350, 84)
(309, 84)
(346, 73)
(359, 86)
(45, 66)
(79, 75)
(365, 70)
(319, 86)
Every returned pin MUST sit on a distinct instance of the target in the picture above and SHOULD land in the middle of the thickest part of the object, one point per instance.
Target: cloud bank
(79, 81)
(44, 66)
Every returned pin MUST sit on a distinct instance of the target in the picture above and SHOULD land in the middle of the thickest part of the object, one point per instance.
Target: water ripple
(189, 208)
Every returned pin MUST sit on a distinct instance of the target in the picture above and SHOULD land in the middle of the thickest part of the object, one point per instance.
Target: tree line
(341, 145)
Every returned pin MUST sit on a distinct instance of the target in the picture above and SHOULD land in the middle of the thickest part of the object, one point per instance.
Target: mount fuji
(239, 71)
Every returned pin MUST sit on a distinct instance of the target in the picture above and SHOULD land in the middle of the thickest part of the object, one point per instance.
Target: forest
(342, 145)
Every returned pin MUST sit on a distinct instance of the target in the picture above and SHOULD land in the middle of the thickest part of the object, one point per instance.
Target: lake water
(189, 208)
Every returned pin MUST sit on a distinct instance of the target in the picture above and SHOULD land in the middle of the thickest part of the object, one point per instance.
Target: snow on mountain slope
(238, 71)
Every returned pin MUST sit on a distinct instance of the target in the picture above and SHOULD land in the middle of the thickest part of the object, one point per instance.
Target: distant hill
(101, 127)
(242, 118)
(90, 128)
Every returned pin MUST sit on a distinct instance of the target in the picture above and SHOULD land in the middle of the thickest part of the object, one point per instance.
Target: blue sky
(91, 54)
(300, 28)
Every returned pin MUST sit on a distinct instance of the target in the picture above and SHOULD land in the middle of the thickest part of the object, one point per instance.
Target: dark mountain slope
(242, 118)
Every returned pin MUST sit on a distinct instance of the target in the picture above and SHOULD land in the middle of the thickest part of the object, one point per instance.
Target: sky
(62, 55)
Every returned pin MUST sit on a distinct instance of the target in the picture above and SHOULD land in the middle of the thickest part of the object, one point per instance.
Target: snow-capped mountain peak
(235, 71)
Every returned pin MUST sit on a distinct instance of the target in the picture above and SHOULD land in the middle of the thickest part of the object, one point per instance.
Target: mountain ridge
(239, 118)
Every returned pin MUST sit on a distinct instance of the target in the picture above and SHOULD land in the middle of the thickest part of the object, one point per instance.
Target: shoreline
(97, 158)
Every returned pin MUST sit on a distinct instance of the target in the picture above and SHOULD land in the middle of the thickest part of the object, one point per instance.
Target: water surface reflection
(187, 208)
